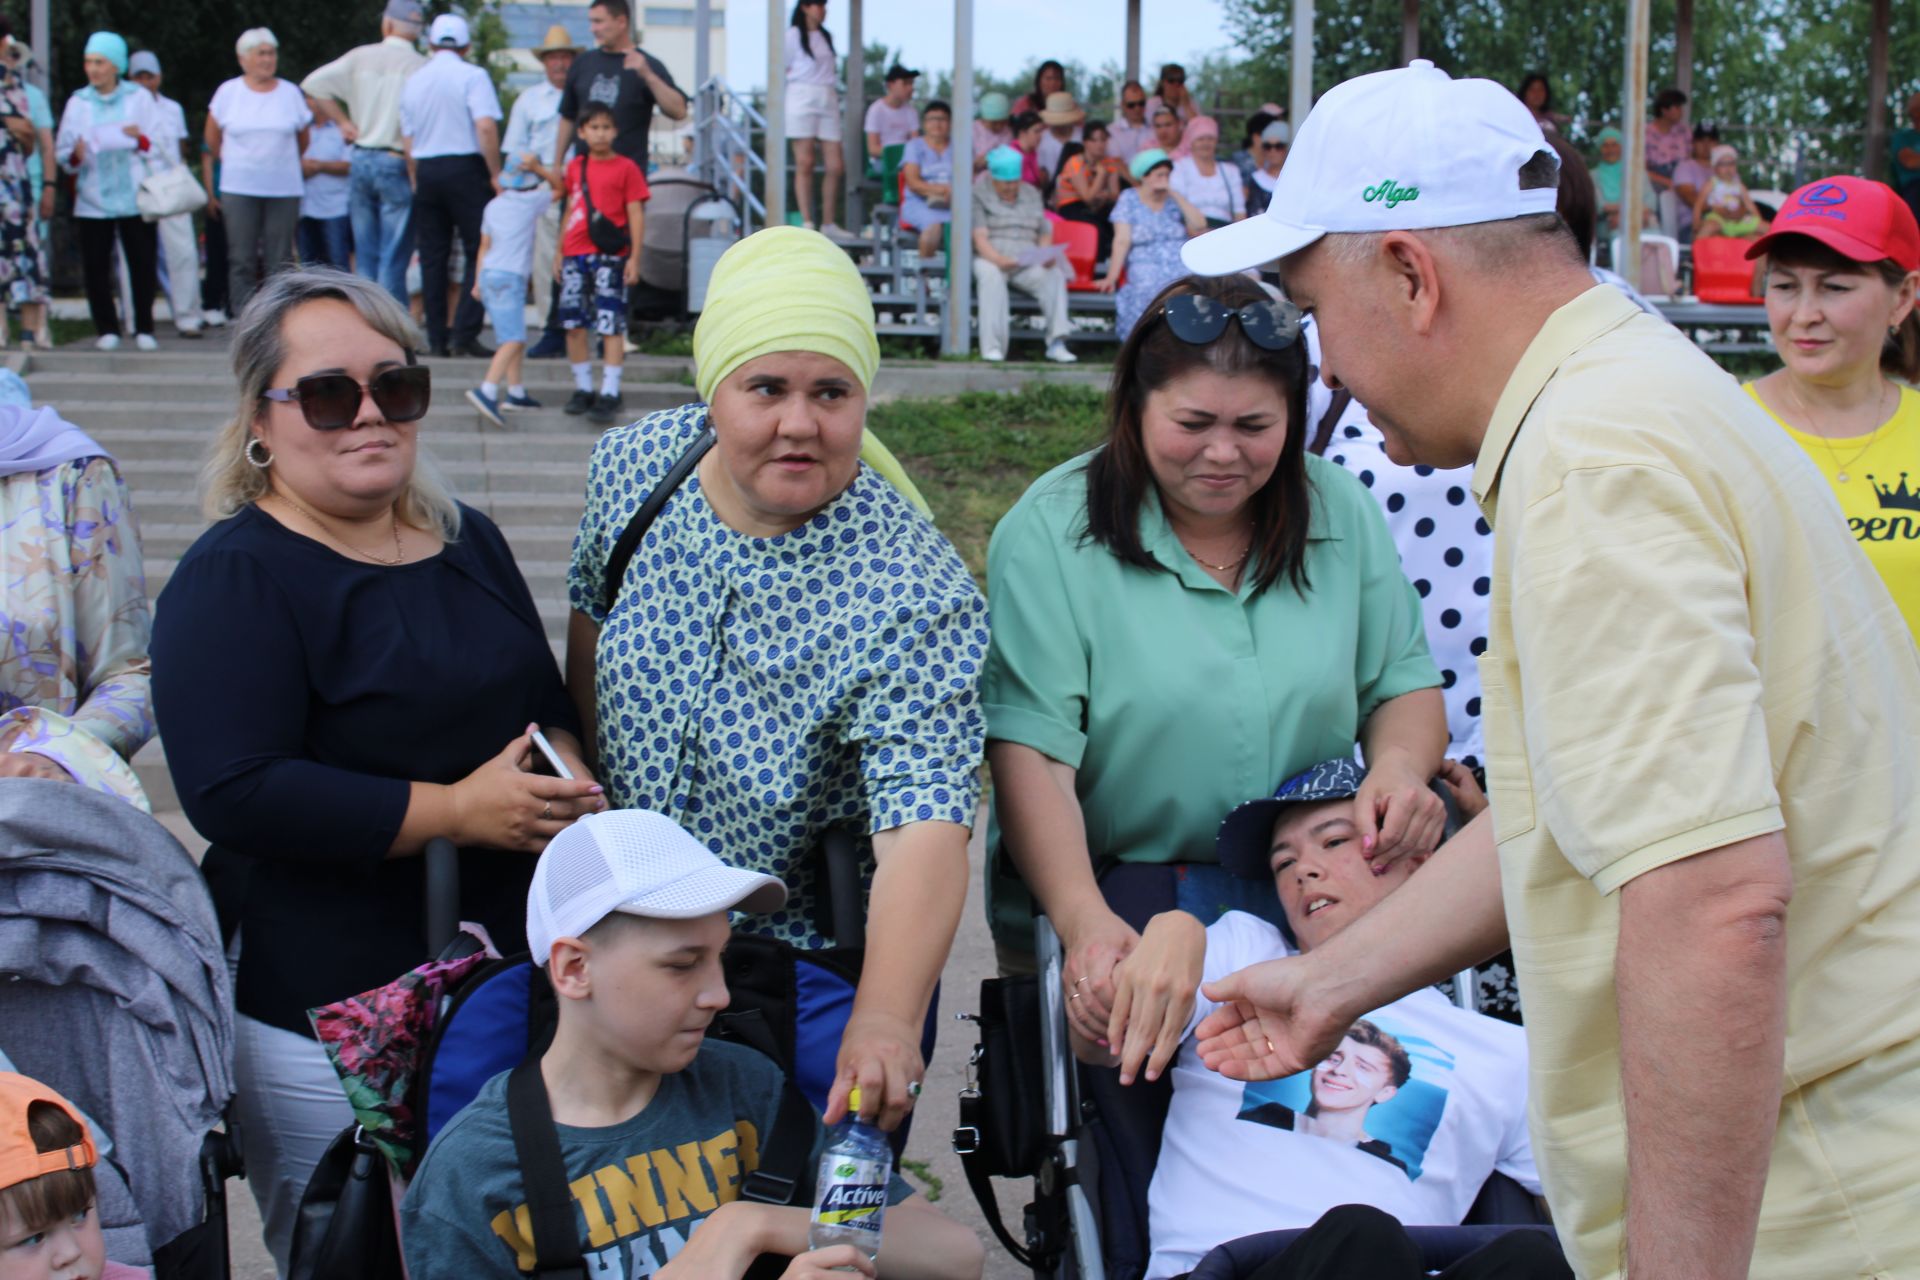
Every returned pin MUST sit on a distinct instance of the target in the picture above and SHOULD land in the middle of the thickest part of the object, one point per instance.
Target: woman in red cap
(1842, 270)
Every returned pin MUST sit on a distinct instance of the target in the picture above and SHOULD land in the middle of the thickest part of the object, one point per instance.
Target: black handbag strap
(784, 1158)
(1323, 435)
(973, 1162)
(543, 1175)
(636, 529)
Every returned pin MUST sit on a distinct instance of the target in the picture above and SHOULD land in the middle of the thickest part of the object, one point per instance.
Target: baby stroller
(116, 994)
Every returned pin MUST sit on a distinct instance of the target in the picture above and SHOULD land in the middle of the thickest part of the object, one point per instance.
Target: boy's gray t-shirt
(639, 1188)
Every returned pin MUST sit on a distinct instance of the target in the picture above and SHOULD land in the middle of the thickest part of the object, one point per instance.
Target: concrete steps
(158, 412)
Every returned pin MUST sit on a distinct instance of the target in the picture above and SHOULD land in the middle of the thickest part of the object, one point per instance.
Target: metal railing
(728, 133)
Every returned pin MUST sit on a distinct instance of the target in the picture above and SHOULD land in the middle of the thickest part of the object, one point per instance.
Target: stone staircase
(157, 412)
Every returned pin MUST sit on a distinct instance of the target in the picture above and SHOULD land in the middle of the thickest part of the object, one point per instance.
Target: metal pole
(776, 114)
(854, 132)
(1634, 129)
(1410, 30)
(1876, 161)
(1300, 100)
(702, 71)
(42, 40)
(1683, 48)
(1133, 43)
(957, 340)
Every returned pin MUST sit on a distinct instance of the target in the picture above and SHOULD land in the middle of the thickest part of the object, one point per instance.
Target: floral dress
(74, 672)
(761, 690)
(20, 274)
(1153, 259)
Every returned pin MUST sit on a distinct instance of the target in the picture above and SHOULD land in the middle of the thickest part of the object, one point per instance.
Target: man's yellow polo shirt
(1686, 649)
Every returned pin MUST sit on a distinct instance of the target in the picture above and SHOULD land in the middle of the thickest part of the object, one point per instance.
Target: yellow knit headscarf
(790, 289)
(784, 289)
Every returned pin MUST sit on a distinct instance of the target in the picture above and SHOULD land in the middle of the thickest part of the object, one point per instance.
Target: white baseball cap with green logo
(1403, 150)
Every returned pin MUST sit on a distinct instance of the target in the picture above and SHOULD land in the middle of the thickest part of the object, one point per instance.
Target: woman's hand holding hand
(1153, 991)
(1094, 948)
(1397, 813)
(1459, 780)
(28, 764)
(503, 806)
(880, 1052)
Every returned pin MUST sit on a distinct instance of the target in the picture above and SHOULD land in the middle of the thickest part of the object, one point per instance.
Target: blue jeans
(381, 208)
(326, 242)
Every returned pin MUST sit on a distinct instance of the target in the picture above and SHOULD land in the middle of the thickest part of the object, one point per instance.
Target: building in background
(664, 28)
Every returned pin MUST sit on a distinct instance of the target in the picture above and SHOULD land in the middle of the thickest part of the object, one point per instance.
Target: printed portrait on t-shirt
(1382, 1091)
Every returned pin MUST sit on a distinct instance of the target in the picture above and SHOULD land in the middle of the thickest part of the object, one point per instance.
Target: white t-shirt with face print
(1417, 1107)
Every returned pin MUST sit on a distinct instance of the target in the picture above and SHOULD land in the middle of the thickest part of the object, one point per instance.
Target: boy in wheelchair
(1421, 1103)
(659, 1127)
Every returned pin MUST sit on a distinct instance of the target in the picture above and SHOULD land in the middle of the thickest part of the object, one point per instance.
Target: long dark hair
(1577, 203)
(1118, 476)
(799, 19)
(1036, 98)
(1546, 103)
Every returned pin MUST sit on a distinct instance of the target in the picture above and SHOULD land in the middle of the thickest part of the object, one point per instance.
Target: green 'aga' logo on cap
(1391, 192)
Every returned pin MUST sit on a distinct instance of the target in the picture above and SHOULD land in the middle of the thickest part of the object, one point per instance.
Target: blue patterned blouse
(761, 690)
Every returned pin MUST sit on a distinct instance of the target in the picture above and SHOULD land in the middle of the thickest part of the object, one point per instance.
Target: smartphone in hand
(552, 758)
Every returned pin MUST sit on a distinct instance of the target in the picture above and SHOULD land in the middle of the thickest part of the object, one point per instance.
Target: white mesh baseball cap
(639, 862)
(1403, 150)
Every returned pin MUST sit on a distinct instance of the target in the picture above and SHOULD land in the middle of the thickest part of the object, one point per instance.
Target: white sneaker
(146, 342)
(107, 342)
(834, 231)
(994, 357)
(1058, 353)
(214, 318)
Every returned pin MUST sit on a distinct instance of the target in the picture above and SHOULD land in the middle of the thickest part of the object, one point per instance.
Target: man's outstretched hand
(1268, 1025)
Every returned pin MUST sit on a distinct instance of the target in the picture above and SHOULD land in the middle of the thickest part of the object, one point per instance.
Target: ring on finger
(1074, 996)
(914, 1088)
(1078, 981)
(546, 814)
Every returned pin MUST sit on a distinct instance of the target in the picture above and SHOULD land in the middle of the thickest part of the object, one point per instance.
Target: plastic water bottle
(850, 1192)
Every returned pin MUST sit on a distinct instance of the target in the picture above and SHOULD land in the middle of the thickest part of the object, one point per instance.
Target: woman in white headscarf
(74, 697)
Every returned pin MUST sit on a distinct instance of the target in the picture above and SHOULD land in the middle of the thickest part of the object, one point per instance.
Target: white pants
(546, 238)
(181, 252)
(1048, 285)
(291, 1106)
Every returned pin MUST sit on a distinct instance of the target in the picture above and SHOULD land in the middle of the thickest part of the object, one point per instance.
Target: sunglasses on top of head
(331, 401)
(1197, 320)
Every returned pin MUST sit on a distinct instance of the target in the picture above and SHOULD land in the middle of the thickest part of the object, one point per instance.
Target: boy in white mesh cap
(659, 1127)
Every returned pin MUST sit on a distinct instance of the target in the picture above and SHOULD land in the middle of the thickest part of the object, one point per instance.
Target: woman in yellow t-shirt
(1842, 270)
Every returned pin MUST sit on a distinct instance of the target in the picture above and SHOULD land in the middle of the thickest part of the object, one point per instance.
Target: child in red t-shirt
(593, 282)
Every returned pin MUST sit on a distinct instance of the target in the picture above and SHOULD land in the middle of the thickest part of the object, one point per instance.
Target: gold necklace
(1229, 566)
(1839, 467)
(399, 555)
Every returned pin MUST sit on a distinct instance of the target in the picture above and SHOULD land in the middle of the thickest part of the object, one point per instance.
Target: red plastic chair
(1721, 272)
(1083, 247)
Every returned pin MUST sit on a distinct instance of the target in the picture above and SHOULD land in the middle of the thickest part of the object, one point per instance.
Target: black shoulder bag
(543, 1170)
(607, 235)
(629, 540)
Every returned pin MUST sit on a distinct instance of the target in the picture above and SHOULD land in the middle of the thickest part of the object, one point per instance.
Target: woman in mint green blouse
(1181, 619)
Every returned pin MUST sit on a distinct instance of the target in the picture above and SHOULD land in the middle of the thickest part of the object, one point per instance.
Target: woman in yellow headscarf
(792, 647)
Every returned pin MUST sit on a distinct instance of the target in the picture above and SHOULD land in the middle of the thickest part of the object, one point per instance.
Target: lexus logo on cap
(1825, 196)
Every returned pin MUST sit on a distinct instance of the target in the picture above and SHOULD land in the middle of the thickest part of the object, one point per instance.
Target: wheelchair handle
(443, 893)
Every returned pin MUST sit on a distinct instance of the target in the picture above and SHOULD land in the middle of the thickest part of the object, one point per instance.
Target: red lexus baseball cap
(1855, 217)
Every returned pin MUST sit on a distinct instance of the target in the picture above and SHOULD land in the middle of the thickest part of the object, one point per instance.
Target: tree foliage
(1787, 78)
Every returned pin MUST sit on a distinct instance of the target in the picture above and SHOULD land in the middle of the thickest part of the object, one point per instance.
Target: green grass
(67, 331)
(925, 1176)
(975, 454)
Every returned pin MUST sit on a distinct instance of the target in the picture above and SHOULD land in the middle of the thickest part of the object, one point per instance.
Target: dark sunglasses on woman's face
(330, 401)
(1197, 320)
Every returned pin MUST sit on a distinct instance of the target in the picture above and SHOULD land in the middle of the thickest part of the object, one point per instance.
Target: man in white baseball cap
(628, 916)
(1689, 694)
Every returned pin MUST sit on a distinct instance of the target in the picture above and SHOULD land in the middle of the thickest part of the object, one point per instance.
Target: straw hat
(557, 41)
(1062, 109)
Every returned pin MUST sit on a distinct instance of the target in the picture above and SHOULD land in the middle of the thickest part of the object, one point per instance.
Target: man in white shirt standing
(179, 247)
(450, 130)
(532, 128)
(892, 120)
(367, 82)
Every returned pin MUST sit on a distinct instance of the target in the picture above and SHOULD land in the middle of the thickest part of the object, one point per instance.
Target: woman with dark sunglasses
(1186, 615)
(346, 665)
